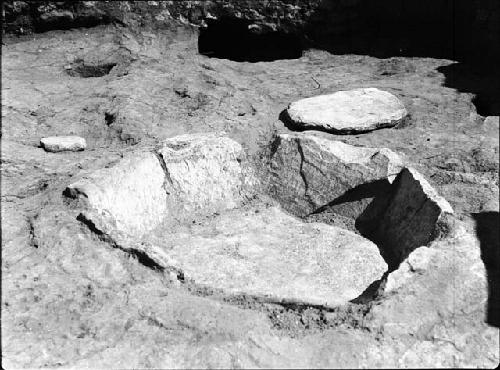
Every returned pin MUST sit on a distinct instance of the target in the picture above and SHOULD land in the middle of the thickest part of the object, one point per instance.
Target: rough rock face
(273, 256)
(309, 172)
(448, 277)
(347, 112)
(412, 217)
(187, 175)
(265, 253)
(128, 196)
(204, 174)
(63, 143)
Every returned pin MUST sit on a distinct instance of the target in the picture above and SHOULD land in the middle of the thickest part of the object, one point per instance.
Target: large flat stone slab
(348, 112)
(185, 176)
(308, 172)
(272, 255)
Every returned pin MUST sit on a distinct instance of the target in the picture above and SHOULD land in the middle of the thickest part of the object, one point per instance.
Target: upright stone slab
(412, 217)
(347, 112)
(308, 172)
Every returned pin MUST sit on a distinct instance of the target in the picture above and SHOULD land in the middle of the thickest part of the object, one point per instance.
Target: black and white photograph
(250, 184)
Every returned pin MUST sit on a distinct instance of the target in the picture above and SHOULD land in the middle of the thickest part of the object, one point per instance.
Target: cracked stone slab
(186, 175)
(63, 143)
(308, 172)
(349, 112)
(271, 255)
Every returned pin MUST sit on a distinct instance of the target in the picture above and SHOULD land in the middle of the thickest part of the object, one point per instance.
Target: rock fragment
(347, 112)
(204, 174)
(186, 176)
(274, 256)
(63, 143)
(412, 217)
(308, 172)
(448, 277)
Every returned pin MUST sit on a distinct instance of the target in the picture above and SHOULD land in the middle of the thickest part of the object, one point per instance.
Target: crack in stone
(168, 178)
(302, 174)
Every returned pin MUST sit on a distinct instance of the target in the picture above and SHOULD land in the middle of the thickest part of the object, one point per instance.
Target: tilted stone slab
(188, 174)
(271, 255)
(308, 172)
(63, 143)
(412, 217)
(351, 111)
(128, 197)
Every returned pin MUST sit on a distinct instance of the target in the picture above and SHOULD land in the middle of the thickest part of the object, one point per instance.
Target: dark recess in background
(235, 39)
(466, 31)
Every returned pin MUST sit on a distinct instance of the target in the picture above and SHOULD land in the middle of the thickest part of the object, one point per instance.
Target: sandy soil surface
(70, 299)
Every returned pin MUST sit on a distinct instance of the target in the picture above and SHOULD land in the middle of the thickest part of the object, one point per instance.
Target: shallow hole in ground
(241, 41)
(79, 69)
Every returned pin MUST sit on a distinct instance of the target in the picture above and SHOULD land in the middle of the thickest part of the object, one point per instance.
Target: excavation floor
(71, 298)
(264, 252)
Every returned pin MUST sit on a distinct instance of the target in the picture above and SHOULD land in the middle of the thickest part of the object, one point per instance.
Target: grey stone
(351, 111)
(274, 256)
(412, 218)
(63, 143)
(308, 172)
(188, 175)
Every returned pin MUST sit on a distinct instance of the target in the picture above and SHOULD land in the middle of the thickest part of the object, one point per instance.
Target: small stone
(63, 143)
(348, 112)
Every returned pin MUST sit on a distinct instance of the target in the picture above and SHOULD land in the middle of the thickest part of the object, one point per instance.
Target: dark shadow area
(396, 216)
(236, 39)
(141, 256)
(462, 30)
(376, 190)
(488, 232)
(66, 22)
(372, 292)
(71, 15)
(482, 80)
(79, 69)
(466, 31)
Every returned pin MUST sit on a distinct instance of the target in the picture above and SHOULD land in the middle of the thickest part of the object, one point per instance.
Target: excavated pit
(80, 69)
(241, 41)
(195, 206)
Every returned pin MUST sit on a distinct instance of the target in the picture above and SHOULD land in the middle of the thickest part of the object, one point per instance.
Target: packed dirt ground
(72, 299)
